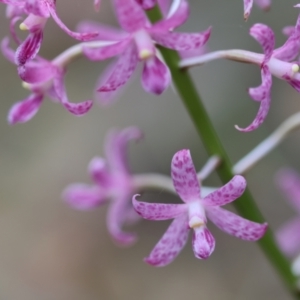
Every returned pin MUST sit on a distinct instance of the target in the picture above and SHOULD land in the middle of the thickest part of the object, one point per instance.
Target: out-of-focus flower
(136, 44)
(278, 62)
(194, 212)
(288, 237)
(42, 78)
(38, 12)
(112, 182)
(263, 4)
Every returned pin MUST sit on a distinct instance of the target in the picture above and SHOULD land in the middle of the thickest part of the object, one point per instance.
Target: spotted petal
(203, 242)
(235, 225)
(156, 76)
(227, 193)
(171, 243)
(158, 211)
(184, 176)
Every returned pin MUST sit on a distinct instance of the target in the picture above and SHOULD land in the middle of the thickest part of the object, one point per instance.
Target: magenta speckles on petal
(235, 225)
(203, 242)
(184, 176)
(227, 193)
(158, 211)
(171, 243)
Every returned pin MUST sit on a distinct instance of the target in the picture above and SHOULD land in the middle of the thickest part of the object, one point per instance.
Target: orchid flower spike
(113, 183)
(38, 12)
(263, 4)
(287, 235)
(42, 78)
(138, 43)
(194, 212)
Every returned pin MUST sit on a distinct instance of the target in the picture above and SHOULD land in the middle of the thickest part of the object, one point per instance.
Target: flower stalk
(245, 205)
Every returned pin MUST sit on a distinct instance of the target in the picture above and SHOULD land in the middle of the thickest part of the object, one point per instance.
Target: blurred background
(50, 252)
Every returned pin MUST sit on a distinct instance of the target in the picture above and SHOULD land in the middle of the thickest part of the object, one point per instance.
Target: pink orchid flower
(288, 237)
(278, 62)
(42, 78)
(113, 182)
(38, 12)
(137, 43)
(263, 4)
(194, 212)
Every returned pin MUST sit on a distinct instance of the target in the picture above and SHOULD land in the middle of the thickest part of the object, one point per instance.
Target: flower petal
(8, 52)
(130, 15)
(24, 110)
(97, 4)
(99, 171)
(289, 183)
(105, 32)
(85, 36)
(115, 147)
(158, 211)
(227, 193)
(123, 70)
(247, 8)
(203, 242)
(288, 237)
(116, 217)
(235, 225)
(265, 36)
(146, 4)
(175, 20)
(106, 52)
(261, 93)
(77, 109)
(184, 176)
(263, 4)
(29, 48)
(171, 243)
(156, 76)
(37, 8)
(37, 71)
(82, 196)
(182, 41)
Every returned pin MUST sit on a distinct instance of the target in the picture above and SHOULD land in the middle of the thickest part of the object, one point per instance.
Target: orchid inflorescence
(140, 39)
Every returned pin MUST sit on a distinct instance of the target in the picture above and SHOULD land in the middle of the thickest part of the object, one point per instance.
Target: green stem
(245, 205)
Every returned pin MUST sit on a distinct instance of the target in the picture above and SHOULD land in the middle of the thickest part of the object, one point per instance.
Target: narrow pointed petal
(288, 237)
(116, 147)
(130, 15)
(227, 193)
(182, 41)
(290, 49)
(203, 242)
(265, 36)
(156, 76)
(29, 48)
(289, 183)
(124, 68)
(106, 52)
(184, 176)
(176, 19)
(85, 36)
(105, 32)
(158, 211)
(235, 225)
(171, 243)
(247, 8)
(116, 217)
(99, 171)
(82, 196)
(37, 72)
(146, 4)
(262, 94)
(77, 109)
(25, 110)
